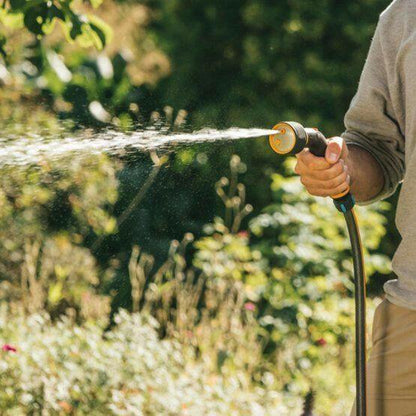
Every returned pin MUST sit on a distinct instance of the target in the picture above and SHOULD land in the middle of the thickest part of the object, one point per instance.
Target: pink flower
(321, 342)
(249, 306)
(7, 347)
(243, 234)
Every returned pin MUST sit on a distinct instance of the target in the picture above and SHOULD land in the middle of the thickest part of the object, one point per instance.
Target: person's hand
(325, 176)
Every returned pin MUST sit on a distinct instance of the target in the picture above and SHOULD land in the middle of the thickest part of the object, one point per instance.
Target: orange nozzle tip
(284, 140)
(277, 126)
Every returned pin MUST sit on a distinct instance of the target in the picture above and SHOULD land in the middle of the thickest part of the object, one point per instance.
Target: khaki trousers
(391, 367)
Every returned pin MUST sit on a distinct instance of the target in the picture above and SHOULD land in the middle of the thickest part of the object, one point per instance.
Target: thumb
(335, 150)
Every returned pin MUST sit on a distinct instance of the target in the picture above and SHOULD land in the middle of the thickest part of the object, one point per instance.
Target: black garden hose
(290, 139)
(360, 326)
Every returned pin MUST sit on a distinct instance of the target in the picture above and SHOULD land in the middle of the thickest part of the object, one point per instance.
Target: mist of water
(33, 149)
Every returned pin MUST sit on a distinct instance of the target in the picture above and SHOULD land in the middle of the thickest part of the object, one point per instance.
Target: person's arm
(367, 179)
(374, 121)
(369, 155)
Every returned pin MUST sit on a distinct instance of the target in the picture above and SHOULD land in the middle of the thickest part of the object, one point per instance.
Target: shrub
(47, 213)
(63, 368)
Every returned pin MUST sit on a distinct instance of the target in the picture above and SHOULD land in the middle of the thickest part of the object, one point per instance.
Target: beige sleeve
(371, 123)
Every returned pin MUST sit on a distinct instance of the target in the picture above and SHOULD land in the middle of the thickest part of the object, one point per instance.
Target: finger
(318, 191)
(322, 175)
(335, 183)
(312, 161)
(314, 191)
(335, 149)
(328, 185)
(339, 189)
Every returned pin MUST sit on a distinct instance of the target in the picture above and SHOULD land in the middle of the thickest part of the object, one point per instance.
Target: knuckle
(312, 192)
(302, 156)
(337, 181)
(329, 184)
(317, 192)
(317, 164)
(304, 180)
(333, 183)
(322, 165)
(326, 176)
(334, 171)
(322, 192)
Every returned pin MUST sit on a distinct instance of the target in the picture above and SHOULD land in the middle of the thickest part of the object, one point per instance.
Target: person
(375, 153)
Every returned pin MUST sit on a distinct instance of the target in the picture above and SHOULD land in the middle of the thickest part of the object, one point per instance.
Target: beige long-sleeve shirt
(382, 120)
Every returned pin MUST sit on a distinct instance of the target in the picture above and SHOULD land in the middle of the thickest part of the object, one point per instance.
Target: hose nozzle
(290, 138)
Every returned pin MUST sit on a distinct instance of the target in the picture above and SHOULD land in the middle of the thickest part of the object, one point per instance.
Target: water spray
(291, 138)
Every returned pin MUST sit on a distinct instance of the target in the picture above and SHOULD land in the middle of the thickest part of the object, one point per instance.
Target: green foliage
(46, 215)
(307, 247)
(296, 272)
(63, 368)
(91, 91)
(40, 16)
(255, 62)
(271, 306)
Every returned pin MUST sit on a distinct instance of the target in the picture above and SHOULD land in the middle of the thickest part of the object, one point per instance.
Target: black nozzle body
(316, 142)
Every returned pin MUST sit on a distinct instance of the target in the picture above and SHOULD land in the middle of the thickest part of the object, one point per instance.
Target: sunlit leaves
(39, 18)
(11, 20)
(87, 31)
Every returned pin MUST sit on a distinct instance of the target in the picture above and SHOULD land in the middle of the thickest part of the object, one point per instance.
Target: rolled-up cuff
(391, 167)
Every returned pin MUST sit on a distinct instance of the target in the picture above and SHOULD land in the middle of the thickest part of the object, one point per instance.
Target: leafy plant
(47, 213)
(60, 367)
(282, 289)
(39, 17)
(296, 269)
(92, 91)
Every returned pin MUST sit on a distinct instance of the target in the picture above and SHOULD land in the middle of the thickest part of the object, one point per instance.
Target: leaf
(49, 24)
(34, 19)
(102, 30)
(55, 12)
(76, 28)
(100, 34)
(88, 31)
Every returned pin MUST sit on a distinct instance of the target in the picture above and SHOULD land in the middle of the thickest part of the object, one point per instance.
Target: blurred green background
(223, 262)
